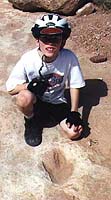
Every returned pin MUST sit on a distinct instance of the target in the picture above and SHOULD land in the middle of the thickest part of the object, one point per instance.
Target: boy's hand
(74, 118)
(75, 129)
(38, 86)
(70, 131)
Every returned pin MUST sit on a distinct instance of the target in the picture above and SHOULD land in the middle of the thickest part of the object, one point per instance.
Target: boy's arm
(74, 93)
(73, 118)
(18, 88)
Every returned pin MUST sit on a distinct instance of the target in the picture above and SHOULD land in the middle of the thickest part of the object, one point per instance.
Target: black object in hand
(74, 118)
(38, 86)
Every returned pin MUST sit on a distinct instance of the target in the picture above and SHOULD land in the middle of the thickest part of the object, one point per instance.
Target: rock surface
(58, 168)
(66, 7)
(105, 4)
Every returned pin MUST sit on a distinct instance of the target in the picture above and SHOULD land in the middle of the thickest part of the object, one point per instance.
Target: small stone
(86, 9)
(98, 59)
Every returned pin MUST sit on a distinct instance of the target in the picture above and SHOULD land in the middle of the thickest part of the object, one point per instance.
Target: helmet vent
(50, 24)
(50, 17)
(59, 18)
(43, 18)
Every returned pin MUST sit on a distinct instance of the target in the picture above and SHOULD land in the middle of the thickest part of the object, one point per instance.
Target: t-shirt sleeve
(17, 76)
(75, 79)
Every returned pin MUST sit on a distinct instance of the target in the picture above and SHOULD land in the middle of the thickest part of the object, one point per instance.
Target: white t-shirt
(65, 68)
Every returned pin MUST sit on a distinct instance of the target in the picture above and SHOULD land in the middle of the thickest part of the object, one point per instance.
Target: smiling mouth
(50, 49)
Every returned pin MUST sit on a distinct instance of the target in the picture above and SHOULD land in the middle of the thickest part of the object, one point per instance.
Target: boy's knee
(24, 98)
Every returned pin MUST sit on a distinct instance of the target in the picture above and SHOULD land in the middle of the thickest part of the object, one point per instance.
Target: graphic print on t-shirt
(54, 80)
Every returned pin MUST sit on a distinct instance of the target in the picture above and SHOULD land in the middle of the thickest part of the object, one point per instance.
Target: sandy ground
(37, 173)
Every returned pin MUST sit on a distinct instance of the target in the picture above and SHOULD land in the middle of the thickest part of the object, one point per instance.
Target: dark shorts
(47, 112)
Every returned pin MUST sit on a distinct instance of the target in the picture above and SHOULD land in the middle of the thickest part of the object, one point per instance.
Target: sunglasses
(51, 38)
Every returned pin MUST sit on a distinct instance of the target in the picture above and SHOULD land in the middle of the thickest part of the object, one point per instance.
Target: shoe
(33, 133)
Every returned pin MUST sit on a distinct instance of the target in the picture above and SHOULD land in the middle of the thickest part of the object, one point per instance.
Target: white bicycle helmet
(51, 24)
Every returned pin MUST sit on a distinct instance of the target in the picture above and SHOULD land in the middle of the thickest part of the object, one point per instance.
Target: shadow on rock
(89, 96)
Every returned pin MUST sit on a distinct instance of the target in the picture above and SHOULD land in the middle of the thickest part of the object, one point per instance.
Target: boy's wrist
(74, 117)
(74, 110)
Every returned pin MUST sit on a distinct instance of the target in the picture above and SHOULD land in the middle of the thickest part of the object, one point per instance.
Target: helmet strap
(40, 52)
(40, 70)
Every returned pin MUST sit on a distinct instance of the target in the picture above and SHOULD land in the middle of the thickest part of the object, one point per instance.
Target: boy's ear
(63, 43)
(37, 41)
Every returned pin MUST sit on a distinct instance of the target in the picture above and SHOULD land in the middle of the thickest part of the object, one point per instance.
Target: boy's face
(50, 45)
